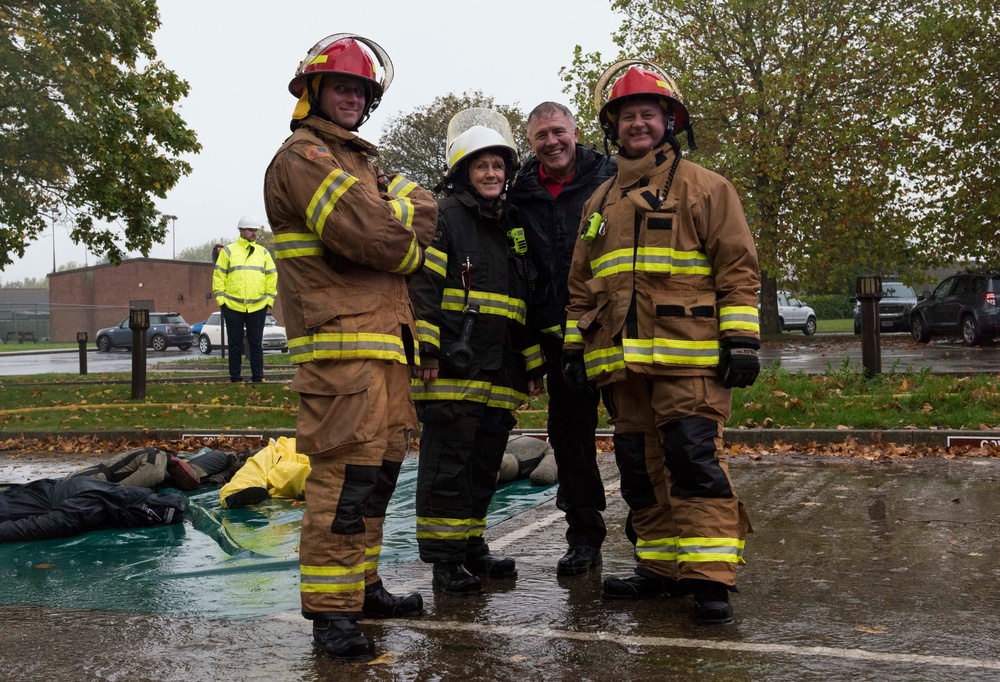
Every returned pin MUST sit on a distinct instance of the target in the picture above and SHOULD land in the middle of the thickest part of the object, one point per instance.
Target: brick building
(87, 299)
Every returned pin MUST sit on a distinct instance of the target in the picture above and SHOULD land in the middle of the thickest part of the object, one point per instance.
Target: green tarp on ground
(220, 563)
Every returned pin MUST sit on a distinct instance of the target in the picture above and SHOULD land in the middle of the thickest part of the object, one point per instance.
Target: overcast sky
(239, 56)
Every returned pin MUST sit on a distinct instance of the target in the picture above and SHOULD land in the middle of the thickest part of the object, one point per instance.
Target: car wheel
(857, 325)
(919, 330)
(103, 344)
(970, 331)
(184, 346)
(204, 345)
(781, 324)
(159, 342)
(810, 327)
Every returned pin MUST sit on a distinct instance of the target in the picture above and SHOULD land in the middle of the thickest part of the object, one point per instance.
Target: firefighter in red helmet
(346, 237)
(663, 317)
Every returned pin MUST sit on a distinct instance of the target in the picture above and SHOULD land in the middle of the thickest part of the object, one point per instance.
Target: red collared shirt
(548, 182)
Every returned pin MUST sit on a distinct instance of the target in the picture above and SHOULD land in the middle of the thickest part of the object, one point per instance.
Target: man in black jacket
(550, 192)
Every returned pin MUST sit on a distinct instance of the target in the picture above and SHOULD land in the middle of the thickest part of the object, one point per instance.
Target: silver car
(210, 338)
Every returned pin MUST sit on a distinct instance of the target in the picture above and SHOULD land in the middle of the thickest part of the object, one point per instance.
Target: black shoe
(451, 577)
(341, 639)
(236, 380)
(579, 559)
(642, 586)
(711, 603)
(489, 566)
(380, 603)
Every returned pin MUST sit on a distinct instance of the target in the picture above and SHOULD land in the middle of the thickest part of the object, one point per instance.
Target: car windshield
(897, 290)
(270, 321)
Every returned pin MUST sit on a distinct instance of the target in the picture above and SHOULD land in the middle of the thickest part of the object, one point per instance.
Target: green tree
(413, 143)
(89, 132)
(805, 106)
(958, 48)
(202, 252)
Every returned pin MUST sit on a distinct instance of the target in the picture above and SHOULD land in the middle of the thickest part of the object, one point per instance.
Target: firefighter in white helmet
(663, 316)
(245, 282)
(346, 237)
(478, 361)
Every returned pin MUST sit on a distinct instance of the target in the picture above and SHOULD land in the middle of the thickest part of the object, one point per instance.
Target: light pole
(173, 231)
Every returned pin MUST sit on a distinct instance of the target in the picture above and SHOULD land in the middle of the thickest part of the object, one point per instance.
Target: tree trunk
(769, 306)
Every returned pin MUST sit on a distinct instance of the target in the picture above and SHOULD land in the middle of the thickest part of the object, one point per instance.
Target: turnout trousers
(685, 518)
(355, 434)
(572, 421)
(461, 446)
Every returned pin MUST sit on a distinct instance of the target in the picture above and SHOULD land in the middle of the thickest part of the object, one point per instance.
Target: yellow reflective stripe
(412, 261)
(664, 549)
(532, 357)
(742, 317)
(573, 334)
(728, 550)
(325, 198)
(436, 260)
(296, 244)
(403, 208)
(465, 389)
(429, 333)
(619, 260)
(555, 330)
(331, 578)
(371, 557)
(400, 186)
(671, 352)
(489, 303)
(655, 259)
(604, 360)
(352, 345)
(441, 528)
(651, 259)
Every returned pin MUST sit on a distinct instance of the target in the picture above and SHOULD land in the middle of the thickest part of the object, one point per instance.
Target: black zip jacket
(553, 226)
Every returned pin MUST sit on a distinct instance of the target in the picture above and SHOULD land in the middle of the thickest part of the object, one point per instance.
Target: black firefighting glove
(574, 370)
(738, 362)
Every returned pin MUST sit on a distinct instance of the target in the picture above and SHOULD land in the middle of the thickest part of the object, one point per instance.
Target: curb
(761, 437)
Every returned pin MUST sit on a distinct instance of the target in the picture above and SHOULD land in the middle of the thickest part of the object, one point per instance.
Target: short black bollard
(869, 292)
(81, 338)
(138, 322)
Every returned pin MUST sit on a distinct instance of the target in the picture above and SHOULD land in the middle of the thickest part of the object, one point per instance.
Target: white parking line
(672, 642)
(682, 643)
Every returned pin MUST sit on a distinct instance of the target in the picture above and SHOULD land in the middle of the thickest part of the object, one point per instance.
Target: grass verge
(779, 399)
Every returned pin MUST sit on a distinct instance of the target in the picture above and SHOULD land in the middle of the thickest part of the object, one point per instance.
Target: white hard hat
(248, 222)
(471, 131)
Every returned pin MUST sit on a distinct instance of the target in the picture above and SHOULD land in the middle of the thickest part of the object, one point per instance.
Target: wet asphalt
(856, 570)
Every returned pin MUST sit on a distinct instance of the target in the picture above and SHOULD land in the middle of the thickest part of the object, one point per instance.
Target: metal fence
(24, 322)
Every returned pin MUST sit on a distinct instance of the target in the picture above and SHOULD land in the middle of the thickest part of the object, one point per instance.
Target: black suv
(165, 329)
(893, 309)
(965, 303)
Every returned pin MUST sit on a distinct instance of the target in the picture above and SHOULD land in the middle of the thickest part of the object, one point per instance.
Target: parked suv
(965, 303)
(794, 314)
(894, 308)
(165, 329)
(210, 338)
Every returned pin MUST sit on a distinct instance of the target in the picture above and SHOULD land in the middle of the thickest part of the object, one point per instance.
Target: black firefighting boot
(711, 603)
(340, 638)
(489, 566)
(380, 603)
(451, 577)
(643, 584)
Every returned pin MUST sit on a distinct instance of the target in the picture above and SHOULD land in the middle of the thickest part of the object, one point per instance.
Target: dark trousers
(254, 325)
(572, 421)
(461, 446)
